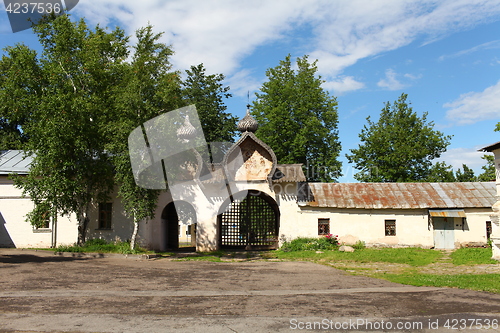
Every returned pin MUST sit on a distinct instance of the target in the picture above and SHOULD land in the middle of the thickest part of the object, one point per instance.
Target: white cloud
(217, 33)
(475, 106)
(469, 156)
(390, 81)
(343, 84)
(495, 44)
(221, 33)
(243, 82)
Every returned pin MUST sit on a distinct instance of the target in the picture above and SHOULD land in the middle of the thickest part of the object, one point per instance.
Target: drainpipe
(495, 218)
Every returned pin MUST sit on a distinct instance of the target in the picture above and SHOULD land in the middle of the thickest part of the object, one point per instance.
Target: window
(488, 229)
(44, 225)
(105, 210)
(390, 227)
(323, 226)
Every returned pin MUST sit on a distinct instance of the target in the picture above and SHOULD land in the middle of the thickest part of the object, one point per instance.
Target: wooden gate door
(444, 233)
(251, 223)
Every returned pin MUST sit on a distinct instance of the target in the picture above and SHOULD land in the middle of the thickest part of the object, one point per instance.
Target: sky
(444, 54)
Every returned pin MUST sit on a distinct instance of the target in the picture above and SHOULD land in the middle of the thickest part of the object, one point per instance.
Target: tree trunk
(134, 234)
(83, 222)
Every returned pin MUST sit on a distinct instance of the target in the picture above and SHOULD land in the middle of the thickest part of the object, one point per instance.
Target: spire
(247, 123)
(187, 131)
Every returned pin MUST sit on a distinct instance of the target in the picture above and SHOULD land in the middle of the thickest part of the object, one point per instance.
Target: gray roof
(14, 161)
(289, 173)
(399, 195)
(491, 147)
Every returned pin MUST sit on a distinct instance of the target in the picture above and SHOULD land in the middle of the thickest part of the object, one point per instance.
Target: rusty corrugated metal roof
(291, 173)
(399, 195)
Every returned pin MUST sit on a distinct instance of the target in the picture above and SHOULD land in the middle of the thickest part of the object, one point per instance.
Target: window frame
(322, 222)
(390, 227)
(106, 222)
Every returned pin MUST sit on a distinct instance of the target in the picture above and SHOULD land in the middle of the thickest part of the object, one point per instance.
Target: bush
(359, 245)
(328, 242)
(101, 246)
(95, 242)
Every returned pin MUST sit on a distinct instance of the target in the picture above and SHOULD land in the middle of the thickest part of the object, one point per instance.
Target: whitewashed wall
(352, 225)
(16, 232)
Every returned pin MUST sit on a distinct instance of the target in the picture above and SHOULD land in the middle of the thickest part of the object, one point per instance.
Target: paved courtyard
(41, 292)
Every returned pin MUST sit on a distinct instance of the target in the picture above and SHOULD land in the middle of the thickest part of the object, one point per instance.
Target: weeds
(100, 246)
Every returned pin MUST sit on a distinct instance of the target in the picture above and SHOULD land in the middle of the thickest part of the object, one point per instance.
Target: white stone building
(256, 203)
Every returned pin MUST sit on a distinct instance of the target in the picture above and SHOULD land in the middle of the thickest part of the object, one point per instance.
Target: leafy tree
(441, 172)
(399, 147)
(149, 89)
(298, 119)
(467, 175)
(76, 73)
(20, 79)
(488, 174)
(207, 93)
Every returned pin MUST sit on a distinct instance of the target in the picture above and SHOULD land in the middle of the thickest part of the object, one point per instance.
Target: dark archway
(250, 223)
(172, 215)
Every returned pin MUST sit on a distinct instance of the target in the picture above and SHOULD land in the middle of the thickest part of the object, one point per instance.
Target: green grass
(410, 256)
(472, 256)
(100, 246)
(481, 282)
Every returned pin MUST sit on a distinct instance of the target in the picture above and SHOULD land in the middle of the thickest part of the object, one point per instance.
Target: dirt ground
(42, 292)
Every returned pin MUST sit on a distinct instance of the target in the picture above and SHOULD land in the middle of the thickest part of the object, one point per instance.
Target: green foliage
(441, 172)
(310, 244)
(359, 245)
(488, 174)
(410, 256)
(97, 245)
(208, 94)
(20, 78)
(147, 89)
(299, 119)
(70, 90)
(399, 147)
(472, 256)
(467, 175)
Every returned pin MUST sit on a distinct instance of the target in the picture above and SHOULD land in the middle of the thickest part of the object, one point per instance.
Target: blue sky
(444, 54)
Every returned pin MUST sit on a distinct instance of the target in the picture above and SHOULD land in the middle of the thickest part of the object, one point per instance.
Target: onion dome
(248, 123)
(187, 131)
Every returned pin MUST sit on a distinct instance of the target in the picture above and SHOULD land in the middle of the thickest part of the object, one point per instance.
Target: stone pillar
(495, 217)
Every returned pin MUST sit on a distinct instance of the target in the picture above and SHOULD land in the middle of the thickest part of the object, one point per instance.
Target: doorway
(250, 223)
(444, 233)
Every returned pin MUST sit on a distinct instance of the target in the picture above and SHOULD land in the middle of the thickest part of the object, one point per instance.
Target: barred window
(390, 227)
(488, 229)
(105, 210)
(323, 226)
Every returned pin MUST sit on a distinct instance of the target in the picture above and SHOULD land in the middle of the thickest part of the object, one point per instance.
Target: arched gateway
(250, 222)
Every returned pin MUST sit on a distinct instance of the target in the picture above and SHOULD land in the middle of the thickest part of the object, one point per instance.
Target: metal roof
(14, 161)
(491, 147)
(289, 173)
(399, 195)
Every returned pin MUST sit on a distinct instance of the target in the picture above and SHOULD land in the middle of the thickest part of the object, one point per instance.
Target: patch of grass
(100, 246)
(472, 256)
(410, 256)
(201, 258)
(481, 282)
